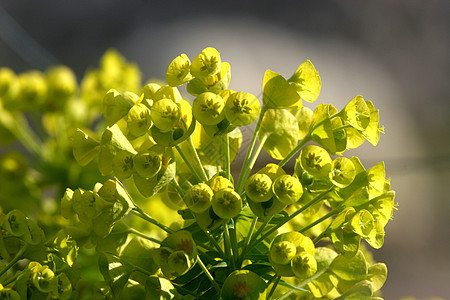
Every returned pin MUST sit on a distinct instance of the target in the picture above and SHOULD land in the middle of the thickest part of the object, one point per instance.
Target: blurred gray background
(395, 53)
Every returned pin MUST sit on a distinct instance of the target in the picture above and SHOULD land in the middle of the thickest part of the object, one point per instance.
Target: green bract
(259, 188)
(178, 71)
(243, 284)
(208, 108)
(242, 108)
(306, 81)
(316, 161)
(206, 63)
(165, 114)
(226, 203)
(198, 197)
(287, 189)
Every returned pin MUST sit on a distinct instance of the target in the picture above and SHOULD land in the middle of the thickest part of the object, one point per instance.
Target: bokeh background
(395, 53)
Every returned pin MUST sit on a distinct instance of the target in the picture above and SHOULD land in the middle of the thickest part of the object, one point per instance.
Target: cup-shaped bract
(304, 118)
(342, 172)
(306, 81)
(167, 92)
(181, 240)
(272, 170)
(85, 147)
(179, 262)
(165, 114)
(316, 161)
(34, 235)
(42, 278)
(138, 120)
(266, 209)
(282, 252)
(148, 164)
(287, 189)
(304, 265)
(362, 223)
(258, 187)
(178, 70)
(15, 223)
(149, 90)
(115, 106)
(243, 284)
(161, 257)
(226, 203)
(63, 288)
(208, 108)
(217, 183)
(208, 62)
(278, 93)
(242, 109)
(356, 113)
(279, 128)
(66, 204)
(198, 197)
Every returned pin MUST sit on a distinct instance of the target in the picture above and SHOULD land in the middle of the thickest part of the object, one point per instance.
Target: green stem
(291, 216)
(311, 225)
(215, 243)
(274, 286)
(15, 259)
(253, 160)
(188, 163)
(234, 242)
(227, 245)
(197, 158)
(306, 139)
(205, 270)
(254, 237)
(250, 149)
(142, 214)
(27, 137)
(320, 236)
(177, 186)
(143, 235)
(247, 239)
(226, 151)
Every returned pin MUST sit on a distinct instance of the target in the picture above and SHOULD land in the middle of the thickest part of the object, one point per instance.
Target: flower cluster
(272, 233)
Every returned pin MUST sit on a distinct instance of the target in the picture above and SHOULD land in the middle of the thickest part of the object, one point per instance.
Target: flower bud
(168, 92)
(208, 108)
(244, 284)
(206, 63)
(123, 164)
(287, 189)
(178, 71)
(304, 265)
(138, 120)
(282, 252)
(218, 183)
(147, 165)
(165, 114)
(259, 188)
(62, 85)
(150, 89)
(32, 90)
(15, 223)
(198, 197)
(272, 170)
(315, 160)
(242, 108)
(226, 203)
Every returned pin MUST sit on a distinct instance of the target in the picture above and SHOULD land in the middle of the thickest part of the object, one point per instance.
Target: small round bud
(123, 164)
(150, 89)
(165, 114)
(226, 203)
(62, 84)
(304, 265)
(242, 109)
(218, 183)
(272, 170)
(243, 284)
(168, 92)
(198, 197)
(138, 120)
(208, 108)
(282, 252)
(147, 165)
(259, 188)
(32, 90)
(315, 160)
(206, 63)
(287, 189)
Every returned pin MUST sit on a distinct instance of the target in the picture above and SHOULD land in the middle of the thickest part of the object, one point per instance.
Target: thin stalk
(188, 163)
(15, 259)
(215, 243)
(234, 243)
(253, 159)
(143, 235)
(226, 151)
(250, 149)
(27, 137)
(291, 216)
(142, 214)
(330, 214)
(197, 158)
(274, 286)
(227, 244)
(177, 186)
(248, 238)
(319, 237)
(288, 157)
(205, 270)
(254, 237)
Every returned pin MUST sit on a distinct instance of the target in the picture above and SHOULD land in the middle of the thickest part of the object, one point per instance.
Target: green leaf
(326, 281)
(278, 93)
(306, 81)
(115, 272)
(85, 147)
(322, 130)
(115, 106)
(377, 274)
(350, 269)
(279, 128)
(360, 291)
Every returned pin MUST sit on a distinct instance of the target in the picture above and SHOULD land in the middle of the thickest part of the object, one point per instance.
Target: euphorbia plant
(272, 233)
